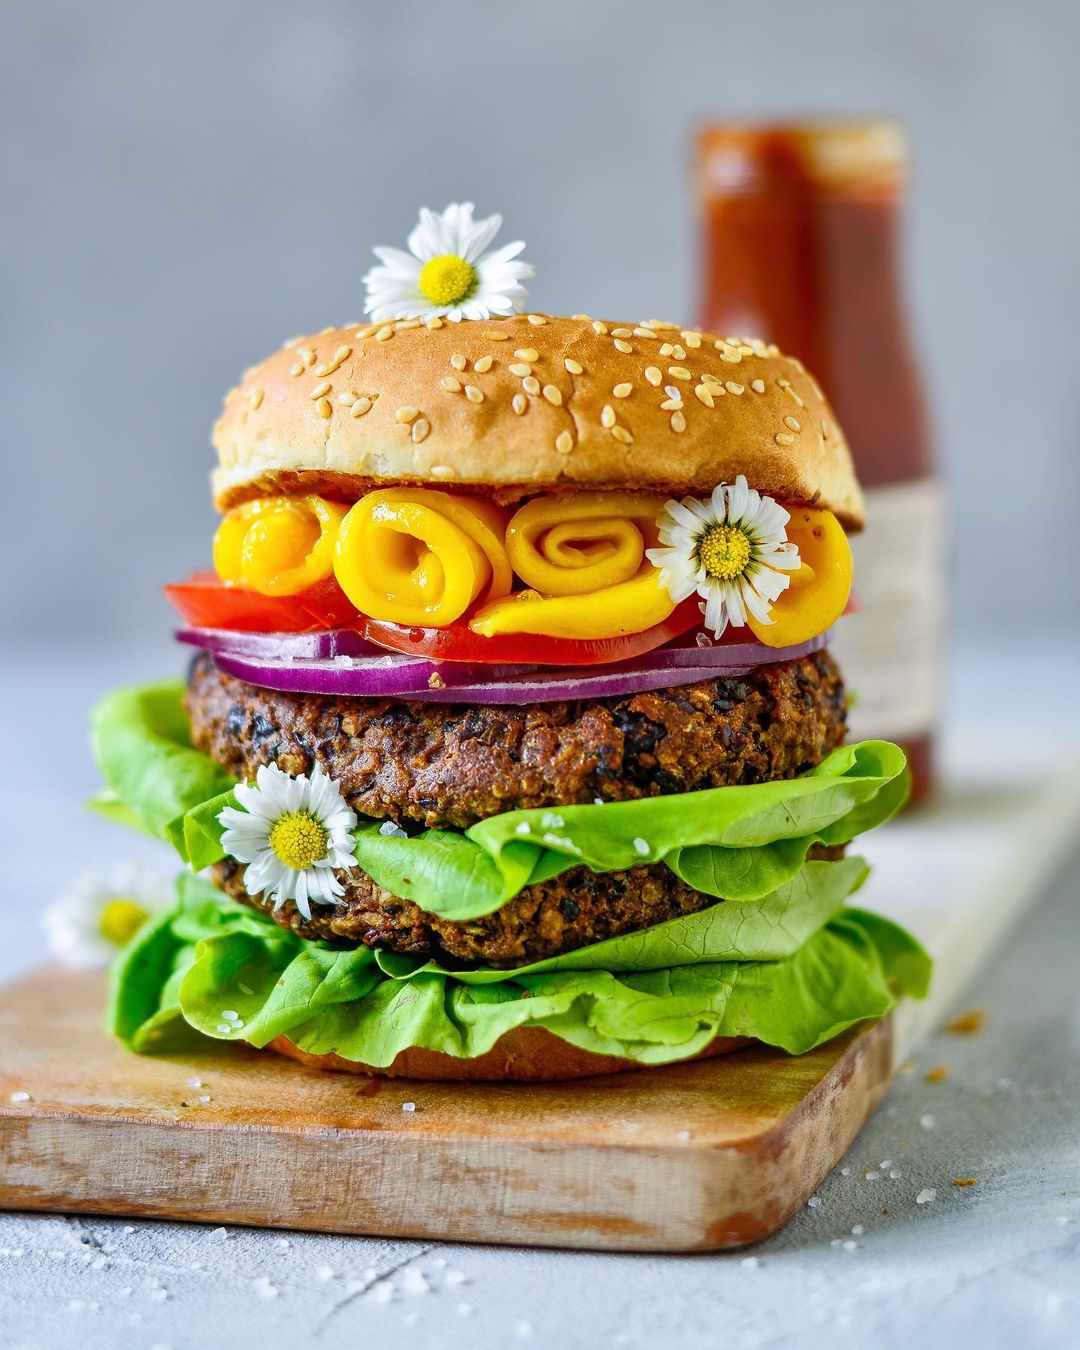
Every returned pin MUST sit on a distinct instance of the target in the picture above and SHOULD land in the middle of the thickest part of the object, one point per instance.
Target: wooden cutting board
(694, 1157)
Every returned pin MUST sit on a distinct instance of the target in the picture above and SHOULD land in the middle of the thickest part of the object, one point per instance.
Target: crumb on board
(968, 1023)
(965, 1181)
(937, 1074)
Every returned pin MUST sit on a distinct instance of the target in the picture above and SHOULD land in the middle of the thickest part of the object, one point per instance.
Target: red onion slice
(392, 675)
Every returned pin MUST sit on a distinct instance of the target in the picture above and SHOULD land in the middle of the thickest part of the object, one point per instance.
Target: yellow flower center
(448, 279)
(120, 919)
(724, 552)
(298, 839)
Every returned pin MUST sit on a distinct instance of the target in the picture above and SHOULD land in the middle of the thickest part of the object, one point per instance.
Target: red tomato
(203, 600)
(458, 643)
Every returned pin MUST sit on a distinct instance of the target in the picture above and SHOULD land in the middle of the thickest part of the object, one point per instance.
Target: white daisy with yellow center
(446, 273)
(731, 548)
(98, 914)
(292, 833)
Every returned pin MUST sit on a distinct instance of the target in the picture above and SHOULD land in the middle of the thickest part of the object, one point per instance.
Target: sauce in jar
(800, 228)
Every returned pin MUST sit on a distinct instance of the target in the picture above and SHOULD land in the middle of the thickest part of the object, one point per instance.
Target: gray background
(186, 185)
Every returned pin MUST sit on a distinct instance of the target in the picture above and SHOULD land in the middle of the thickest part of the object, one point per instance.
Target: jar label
(889, 652)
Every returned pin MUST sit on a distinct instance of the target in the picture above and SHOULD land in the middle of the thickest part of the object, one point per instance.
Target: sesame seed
(307, 355)
(731, 357)
(519, 403)
(620, 332)
(680, 352)
(758, 386)
(564, 442)
(733, 388)
(483, 365)
(673, 391)
(360, 407)
(623, 390)
(348, 398)
(691, 339)
(678, 422)
(703, 394)
(458, 361)
(365, 333)
(328, 367)
(678, 372)
(792, 422)
(493, 335)
(622, 435)
(297, 368)
(537, 320)
(607, 416)
(622, 346)
(400, 325)
(645, 333)
(784, 438)
(667, 349)
(527, 354)
(785, 385)
(323, 387)
(573, 367)
(531, 385)
(599, 327)
(520, 369)
(451, 383)
(553, 394)
(653, 375)
(671, 404)
(420, 430)
(824, 429)
(406, 414)
(473, 394)
(384, 334)
(255, 397)
(434, 322)
(443, 471)
(323, 407)
(583, 317)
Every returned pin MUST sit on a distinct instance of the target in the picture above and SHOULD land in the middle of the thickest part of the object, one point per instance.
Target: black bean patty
(453, 764)
(573, 910)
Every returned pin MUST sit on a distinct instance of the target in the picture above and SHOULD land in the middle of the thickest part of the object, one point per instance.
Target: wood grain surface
(694, 1157)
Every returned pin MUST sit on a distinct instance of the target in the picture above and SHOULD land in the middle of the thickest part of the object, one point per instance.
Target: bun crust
(524, 1055)
(528, 403)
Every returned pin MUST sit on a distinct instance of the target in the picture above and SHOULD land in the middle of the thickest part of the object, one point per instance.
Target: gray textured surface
(187, 185)
(994, 1265)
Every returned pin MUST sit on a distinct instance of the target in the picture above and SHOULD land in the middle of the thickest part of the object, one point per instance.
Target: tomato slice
(203, 600)
(457, 642)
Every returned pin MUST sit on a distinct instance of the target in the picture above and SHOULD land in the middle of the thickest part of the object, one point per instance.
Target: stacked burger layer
(513, 747)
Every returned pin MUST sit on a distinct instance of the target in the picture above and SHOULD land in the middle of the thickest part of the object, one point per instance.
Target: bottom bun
(524, 1055)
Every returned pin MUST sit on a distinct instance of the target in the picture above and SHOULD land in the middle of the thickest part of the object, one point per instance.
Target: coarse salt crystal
(845, 1171)
(814, 1201)
(641, 846)
(390, 830)
(751, 1261)
(324, 1273)
(21, 1097)
(885, 1164)
(872, 1176)
(264, 1288)
(927, 1121)
(683, 1134)
(408, 1107)
(455, 1277)
(217, 1235)
(895, 1174)
(383, 1292)
(598, 801)
(415, 1282)
(849, 1245)
(857, 1230)
(523, 827)
(194, 1082)
(926, 1195)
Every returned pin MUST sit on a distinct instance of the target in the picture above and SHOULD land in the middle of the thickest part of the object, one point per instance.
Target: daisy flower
(97, 914)
(732, 548)
(292, 833)
(446, 273)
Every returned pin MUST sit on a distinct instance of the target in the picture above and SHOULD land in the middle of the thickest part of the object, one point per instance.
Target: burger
(511, 746)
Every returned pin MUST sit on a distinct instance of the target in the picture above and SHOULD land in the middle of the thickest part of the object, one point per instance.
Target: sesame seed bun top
(529, 403)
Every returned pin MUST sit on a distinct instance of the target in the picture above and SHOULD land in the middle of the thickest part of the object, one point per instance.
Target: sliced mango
(818, 592)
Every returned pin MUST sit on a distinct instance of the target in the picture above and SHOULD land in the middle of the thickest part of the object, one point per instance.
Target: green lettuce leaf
(210, 956)
(736, 843)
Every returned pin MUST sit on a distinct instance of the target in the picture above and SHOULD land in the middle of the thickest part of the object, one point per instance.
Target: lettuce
(736, 843)
(654, 996)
